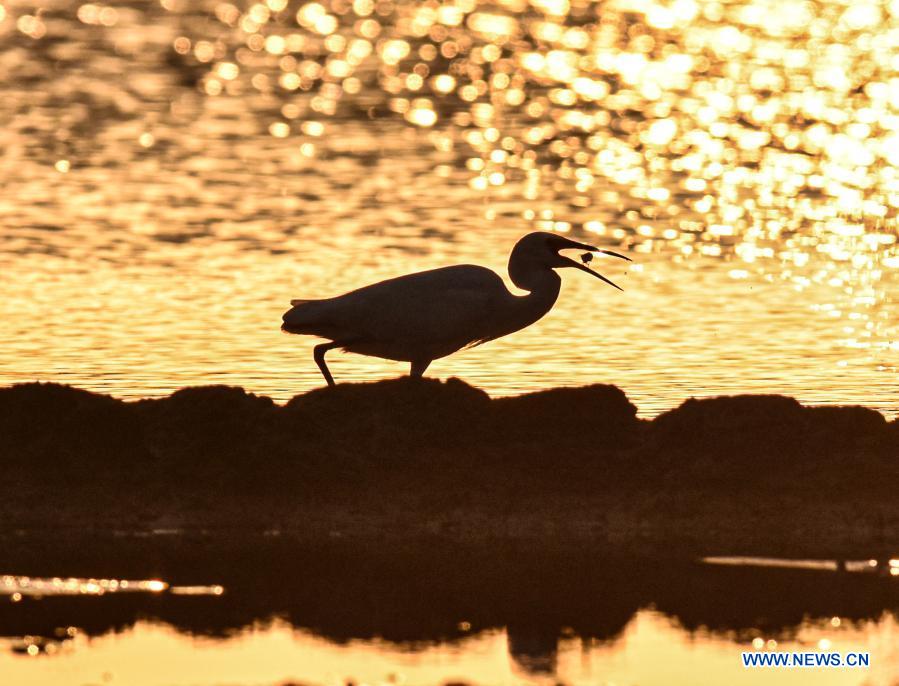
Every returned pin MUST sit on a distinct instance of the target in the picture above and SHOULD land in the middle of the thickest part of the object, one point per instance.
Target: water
(277, 611)
(174, 173)
(652, 649)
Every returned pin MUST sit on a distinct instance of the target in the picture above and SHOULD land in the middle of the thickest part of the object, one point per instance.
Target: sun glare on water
(745, 153)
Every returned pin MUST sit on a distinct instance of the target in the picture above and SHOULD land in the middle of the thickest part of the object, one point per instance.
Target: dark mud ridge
(406, 459)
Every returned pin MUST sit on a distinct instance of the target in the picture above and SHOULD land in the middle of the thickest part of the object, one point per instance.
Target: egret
(421, 317)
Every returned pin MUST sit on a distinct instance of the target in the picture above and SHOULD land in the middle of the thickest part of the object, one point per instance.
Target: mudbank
(403, 458)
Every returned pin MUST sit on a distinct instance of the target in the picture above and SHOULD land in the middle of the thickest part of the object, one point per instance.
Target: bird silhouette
(421, 317)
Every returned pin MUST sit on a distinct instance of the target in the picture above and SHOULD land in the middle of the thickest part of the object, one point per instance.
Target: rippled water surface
(174, 173)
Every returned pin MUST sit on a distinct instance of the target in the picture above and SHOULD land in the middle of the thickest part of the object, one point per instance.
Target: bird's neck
(543, 289)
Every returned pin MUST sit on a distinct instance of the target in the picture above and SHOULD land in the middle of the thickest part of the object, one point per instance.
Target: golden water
(652, 650)
(174, 173)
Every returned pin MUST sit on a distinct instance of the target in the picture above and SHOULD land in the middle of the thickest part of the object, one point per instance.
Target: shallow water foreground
(283, 612)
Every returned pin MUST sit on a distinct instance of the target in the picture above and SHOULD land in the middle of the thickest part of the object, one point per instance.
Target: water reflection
(653, 649)
(433, 614)
(176, 172)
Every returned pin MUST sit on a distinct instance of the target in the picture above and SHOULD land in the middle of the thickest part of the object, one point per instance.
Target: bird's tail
(301, 317)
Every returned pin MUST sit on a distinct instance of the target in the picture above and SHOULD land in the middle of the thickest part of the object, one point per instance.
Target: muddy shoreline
(403, 461)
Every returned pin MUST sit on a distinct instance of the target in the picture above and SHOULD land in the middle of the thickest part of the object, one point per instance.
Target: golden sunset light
(639, 259)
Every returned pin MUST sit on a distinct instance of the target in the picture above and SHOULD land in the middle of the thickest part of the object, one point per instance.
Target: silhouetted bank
(405, 459)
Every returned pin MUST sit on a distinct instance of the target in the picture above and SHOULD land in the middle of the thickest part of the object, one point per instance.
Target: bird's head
(541, 250)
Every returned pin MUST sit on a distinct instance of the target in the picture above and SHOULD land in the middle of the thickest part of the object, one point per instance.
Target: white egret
(421, 317)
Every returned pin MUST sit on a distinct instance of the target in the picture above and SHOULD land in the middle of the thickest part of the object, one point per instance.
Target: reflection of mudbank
(412, 593)
(403, 458)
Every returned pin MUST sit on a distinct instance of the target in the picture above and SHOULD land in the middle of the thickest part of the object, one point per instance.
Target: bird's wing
(452, 305)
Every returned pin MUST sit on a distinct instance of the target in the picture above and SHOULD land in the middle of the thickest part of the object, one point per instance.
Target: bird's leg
(318, 354)
(418, 368)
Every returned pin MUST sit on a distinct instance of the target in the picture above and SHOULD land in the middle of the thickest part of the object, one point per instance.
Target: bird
(421, 317)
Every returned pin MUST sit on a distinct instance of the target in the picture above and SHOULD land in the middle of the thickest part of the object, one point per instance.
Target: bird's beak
(569, 244)
(585, 268)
